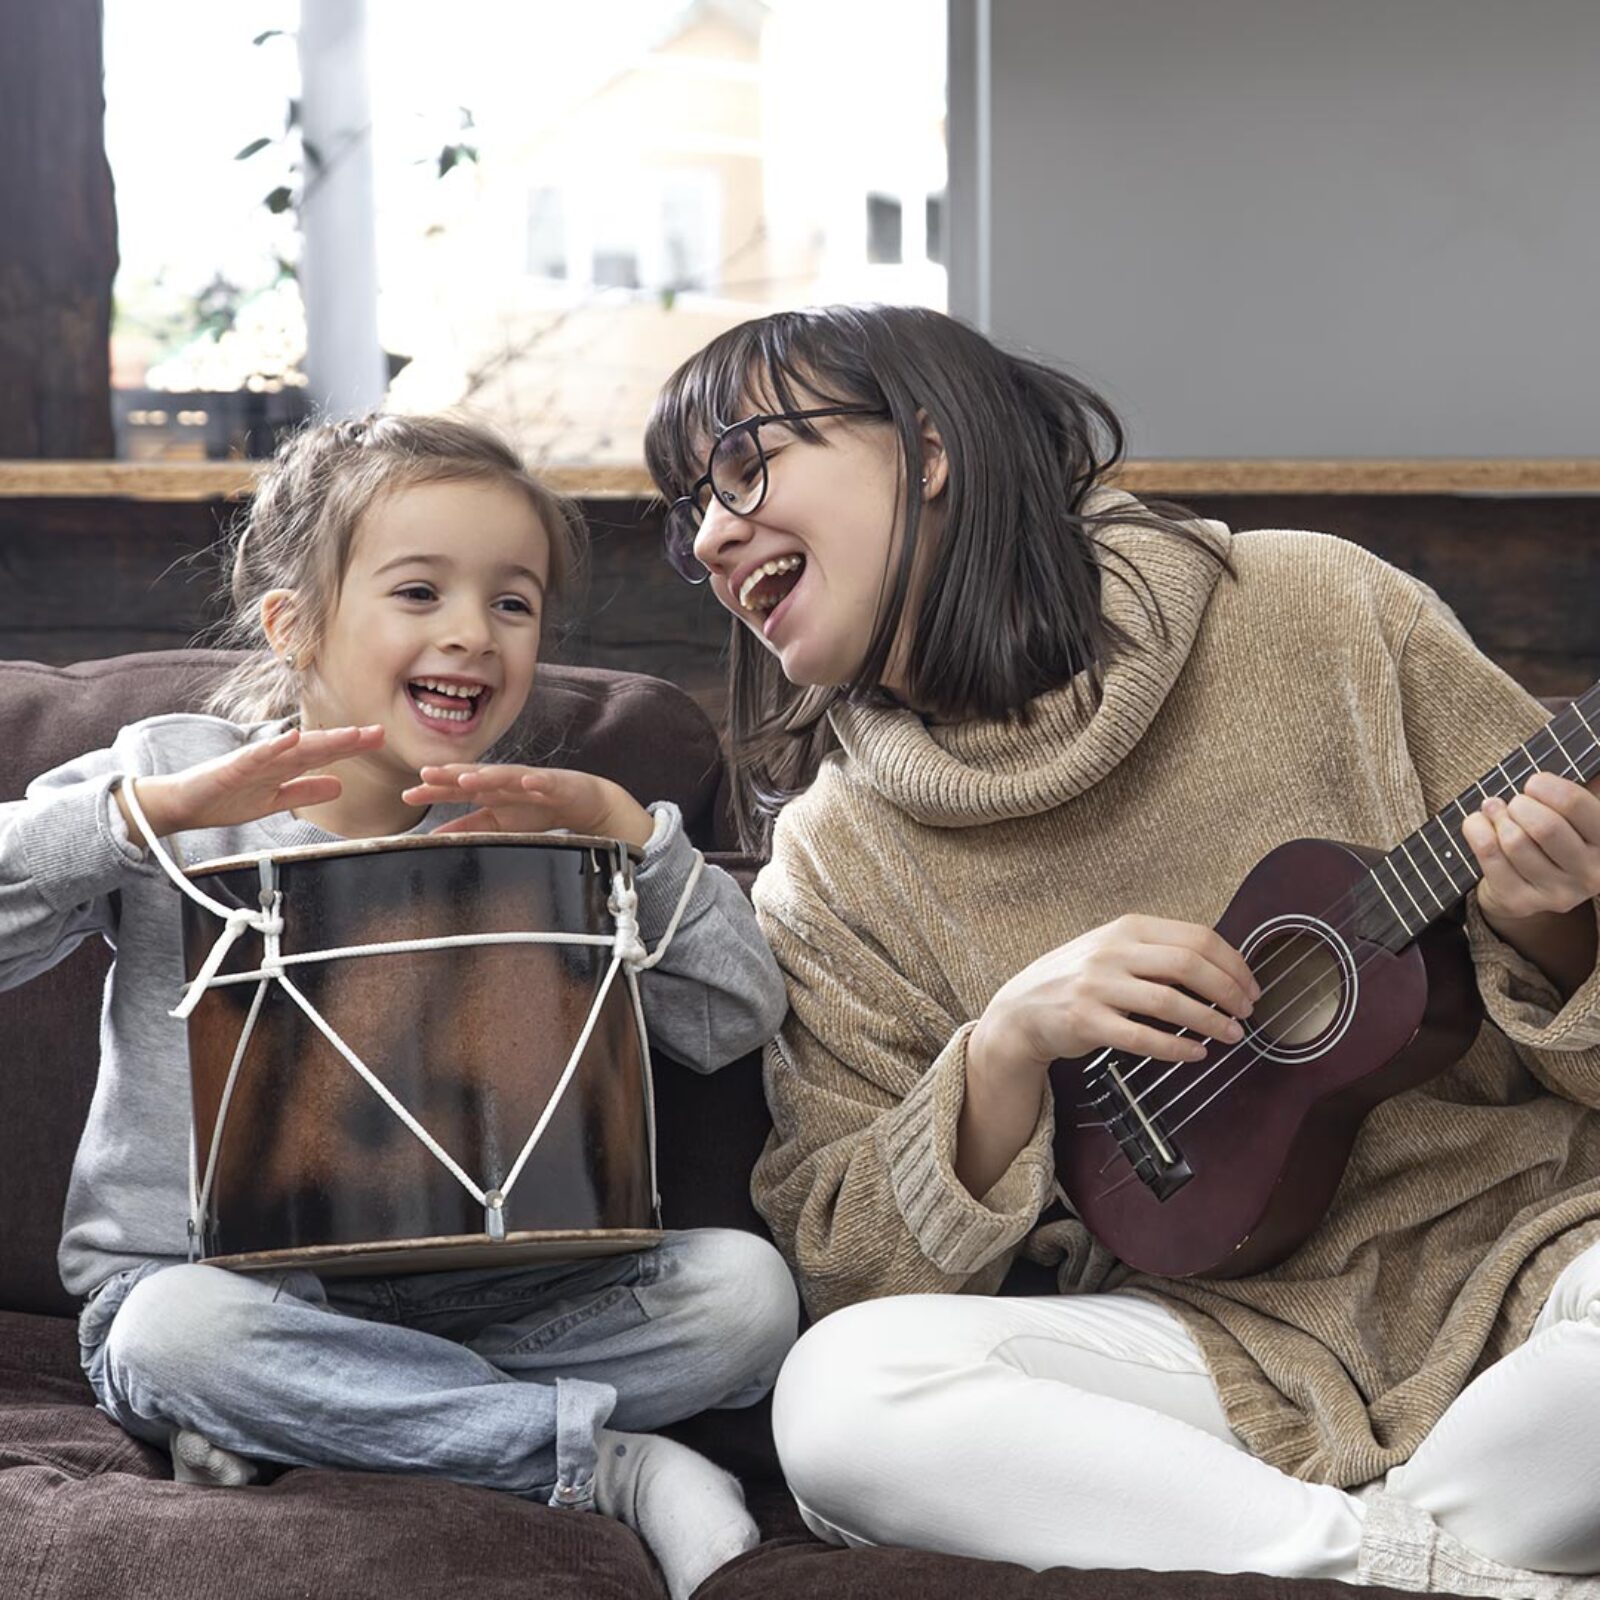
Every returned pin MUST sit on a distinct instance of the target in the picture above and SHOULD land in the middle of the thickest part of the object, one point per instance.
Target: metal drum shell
(313, 1168)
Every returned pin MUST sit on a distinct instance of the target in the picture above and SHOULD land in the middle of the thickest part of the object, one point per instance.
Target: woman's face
(808, 571)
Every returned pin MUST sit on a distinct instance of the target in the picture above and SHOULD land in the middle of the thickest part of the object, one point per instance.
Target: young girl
(392, 577)
(1033, 736)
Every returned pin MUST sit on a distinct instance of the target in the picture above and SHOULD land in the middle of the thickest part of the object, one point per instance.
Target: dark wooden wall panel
(84, 577)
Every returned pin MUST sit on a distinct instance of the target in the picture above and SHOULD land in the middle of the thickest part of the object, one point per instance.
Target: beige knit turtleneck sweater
(1318, 693)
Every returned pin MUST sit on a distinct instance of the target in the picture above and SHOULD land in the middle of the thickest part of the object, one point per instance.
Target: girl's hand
(1082, 996)
(247, 784)
(513, 799)
(1540, 853)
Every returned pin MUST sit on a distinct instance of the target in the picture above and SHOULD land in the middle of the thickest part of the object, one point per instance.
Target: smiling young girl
(1023, 738)
(390, 587)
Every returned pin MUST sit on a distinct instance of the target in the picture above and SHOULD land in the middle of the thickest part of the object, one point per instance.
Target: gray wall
(1291, 227)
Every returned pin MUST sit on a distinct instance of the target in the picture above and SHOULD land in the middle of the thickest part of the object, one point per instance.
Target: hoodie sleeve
(63, 854)
(717, 993)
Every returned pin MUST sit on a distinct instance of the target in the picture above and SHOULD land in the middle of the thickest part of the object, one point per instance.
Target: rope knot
(624, 906)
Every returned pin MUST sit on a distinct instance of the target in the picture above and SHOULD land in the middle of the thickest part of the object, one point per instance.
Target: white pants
(1086, 1432)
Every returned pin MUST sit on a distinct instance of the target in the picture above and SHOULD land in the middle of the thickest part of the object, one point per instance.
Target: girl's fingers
(308, 791)
(427, 793)
(297, 750)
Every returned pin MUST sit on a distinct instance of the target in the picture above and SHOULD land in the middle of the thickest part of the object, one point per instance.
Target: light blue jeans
(492, 1377)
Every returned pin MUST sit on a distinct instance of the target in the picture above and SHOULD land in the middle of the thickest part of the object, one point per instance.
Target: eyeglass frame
(754, 425)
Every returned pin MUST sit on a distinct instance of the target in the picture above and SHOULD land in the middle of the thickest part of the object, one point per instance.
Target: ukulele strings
(1346, 900)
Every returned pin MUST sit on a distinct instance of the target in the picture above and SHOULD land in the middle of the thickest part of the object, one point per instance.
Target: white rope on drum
(628, 954)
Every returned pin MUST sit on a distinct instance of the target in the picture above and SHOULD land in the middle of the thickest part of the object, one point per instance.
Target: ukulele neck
(1430, 872)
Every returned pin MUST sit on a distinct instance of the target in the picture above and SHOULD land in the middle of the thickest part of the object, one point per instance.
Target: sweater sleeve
(62, 857)
(1462, 716)
(866, 1083)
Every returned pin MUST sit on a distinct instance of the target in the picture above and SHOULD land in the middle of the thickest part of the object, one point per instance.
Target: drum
(416, 1053)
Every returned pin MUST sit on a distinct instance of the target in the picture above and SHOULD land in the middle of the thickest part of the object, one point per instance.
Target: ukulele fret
(1567, 745)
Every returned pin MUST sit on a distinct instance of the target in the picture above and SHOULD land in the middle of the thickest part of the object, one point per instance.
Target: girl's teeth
(439, 714)
(460, 691)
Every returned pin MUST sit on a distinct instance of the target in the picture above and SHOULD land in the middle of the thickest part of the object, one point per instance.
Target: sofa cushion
(641, 732)
(358, 1536)
(799, 1568)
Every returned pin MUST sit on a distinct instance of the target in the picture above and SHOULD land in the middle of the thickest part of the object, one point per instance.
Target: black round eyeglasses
(736, 474)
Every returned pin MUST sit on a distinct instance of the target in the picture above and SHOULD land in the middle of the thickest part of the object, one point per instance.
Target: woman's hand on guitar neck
(1540, 858)
(1082, 997)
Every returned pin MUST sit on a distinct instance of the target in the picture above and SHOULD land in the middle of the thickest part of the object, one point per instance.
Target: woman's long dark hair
(1011, 606)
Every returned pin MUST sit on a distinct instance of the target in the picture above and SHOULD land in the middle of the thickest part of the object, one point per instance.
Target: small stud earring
(288, 661)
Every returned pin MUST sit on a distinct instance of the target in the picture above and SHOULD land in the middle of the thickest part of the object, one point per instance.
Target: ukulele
(1222, 1167)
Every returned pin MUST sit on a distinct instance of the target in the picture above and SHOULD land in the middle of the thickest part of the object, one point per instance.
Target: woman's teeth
(768, 569)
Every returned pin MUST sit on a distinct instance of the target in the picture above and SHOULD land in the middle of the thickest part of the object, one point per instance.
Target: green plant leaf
(271, 33)
(453, 154)
(251, 148)
(280, 199)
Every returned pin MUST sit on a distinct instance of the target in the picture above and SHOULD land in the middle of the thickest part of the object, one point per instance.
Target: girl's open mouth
(445, 707)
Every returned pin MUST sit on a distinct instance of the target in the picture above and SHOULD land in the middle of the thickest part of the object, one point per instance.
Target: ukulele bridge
(1151, 1152)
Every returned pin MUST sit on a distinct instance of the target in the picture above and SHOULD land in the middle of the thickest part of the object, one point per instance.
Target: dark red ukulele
(1221, 1167)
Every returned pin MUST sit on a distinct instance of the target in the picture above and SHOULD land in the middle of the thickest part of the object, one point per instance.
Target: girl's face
(435, 633)
(831, 522)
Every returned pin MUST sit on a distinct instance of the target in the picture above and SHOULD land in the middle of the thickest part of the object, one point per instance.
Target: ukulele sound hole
(1301, 987)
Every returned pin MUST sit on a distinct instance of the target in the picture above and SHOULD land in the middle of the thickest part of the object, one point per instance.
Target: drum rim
(618, 1240)
(394, 843)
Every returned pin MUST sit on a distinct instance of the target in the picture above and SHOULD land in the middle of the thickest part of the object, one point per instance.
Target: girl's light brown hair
(302, 520)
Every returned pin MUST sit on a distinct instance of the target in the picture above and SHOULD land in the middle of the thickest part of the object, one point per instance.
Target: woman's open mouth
(765, 592)
(446, 706)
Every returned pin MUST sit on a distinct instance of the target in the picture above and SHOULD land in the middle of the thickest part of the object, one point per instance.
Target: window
(616, 269)
(546, 259)
(883, 229)
(547, 235)
(690, 219)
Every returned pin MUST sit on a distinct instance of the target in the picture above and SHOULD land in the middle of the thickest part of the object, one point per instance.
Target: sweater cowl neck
(958, 774)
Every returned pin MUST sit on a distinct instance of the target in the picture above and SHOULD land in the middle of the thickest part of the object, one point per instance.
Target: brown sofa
(85, 1512)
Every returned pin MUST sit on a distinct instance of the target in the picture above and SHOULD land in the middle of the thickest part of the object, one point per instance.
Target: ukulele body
(1227, 1164)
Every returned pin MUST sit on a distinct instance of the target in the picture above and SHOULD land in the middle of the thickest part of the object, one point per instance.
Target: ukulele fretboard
(1432, 870)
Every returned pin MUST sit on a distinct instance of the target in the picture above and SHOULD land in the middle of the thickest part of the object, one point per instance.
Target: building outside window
(544, 258)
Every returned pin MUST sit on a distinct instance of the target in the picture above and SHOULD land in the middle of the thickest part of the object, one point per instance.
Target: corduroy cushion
(803, 1569)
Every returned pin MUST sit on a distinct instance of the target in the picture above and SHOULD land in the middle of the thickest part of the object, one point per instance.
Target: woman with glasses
(1013, 740)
